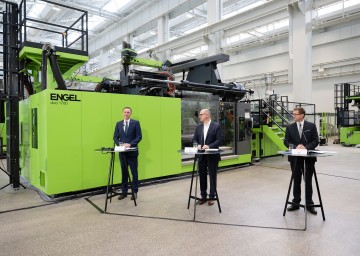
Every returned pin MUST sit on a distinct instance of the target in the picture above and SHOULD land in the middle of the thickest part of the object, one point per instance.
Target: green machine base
(60, 131)
(350, 135)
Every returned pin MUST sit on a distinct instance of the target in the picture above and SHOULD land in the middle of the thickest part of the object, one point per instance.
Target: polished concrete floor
(251, 223)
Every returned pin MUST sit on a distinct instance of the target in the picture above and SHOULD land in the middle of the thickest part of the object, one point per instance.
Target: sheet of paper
(190, 150)
(299, 152)
(119, 148)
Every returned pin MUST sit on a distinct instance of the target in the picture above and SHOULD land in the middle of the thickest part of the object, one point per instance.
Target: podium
(287, 202)
(195, 173)
(110, 190)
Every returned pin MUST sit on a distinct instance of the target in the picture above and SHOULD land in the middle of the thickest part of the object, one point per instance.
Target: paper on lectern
(190, 150)
(299, 152)
(119, 148)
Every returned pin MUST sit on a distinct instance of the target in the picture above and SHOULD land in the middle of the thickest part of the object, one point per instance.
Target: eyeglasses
(202, 114)
(296, 114)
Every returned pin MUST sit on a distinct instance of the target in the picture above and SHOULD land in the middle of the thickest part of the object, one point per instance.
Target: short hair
(127, 108)
(300, 110)
(207, 111)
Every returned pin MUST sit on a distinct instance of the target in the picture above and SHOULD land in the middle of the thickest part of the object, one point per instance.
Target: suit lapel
(130, 123)
(306, 126)
(296, 130)
(123, 127)
(202, 141)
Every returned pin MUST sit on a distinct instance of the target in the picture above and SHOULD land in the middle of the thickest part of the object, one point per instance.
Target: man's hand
(205, 147)
(300, 146)
(126, 145)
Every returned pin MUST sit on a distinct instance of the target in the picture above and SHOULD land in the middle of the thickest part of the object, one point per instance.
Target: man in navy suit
(302, 135)
(207, 135)
(128, 132)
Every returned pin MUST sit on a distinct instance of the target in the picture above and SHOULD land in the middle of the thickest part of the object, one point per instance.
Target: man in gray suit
(207, 135)
(302, 135)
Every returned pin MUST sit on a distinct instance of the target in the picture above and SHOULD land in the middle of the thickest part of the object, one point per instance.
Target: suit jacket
(309, 138)
(214, 136)
(133, 136)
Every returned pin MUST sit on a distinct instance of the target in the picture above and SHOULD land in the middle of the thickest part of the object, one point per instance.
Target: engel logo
(64, 97)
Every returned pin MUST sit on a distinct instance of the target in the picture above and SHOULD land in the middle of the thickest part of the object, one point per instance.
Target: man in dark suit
(302, 135)
(128, 133)
(207, 135)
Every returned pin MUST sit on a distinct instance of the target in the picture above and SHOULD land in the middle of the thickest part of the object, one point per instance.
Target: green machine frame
(348, 116)
(60, 131)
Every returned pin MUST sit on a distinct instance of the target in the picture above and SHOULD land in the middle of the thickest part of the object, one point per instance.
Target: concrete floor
(251, 223)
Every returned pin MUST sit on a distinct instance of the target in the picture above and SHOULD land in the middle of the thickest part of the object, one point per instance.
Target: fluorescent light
(337, 6)
(36, 10)
(244, 9)
(115, 5)
(56, 9)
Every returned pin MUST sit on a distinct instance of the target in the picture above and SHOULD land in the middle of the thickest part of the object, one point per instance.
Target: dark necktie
(126, 127)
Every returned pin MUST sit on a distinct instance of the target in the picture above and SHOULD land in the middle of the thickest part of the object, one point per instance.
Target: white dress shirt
(206, 129)
(300, 126)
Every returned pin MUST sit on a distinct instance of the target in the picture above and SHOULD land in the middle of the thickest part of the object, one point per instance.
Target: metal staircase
(271, 116)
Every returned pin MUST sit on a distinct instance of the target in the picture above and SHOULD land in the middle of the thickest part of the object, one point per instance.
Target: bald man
(208, 134)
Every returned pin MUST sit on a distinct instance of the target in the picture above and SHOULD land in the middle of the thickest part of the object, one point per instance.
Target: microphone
(303, 134)
(118, 134)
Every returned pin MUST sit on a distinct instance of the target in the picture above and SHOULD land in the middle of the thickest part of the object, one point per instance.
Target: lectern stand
(195, 173)
(312, 154)
(110, 191)
(10, 180)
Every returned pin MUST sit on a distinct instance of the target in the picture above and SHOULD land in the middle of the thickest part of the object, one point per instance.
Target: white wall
(336, 59)
(322, 93)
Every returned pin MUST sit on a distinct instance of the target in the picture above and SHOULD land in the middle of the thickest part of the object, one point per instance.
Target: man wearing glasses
(302, 135)
(207, 135)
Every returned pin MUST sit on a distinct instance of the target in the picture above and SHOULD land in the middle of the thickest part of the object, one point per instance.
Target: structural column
(214, 14)
(300, 50)
(213, 40)
(163, 35)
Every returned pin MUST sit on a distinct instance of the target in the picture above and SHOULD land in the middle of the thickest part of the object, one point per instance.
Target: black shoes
(311, 210)
(201, 202)
(134, 196)
(293, 208)
(121, 197)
